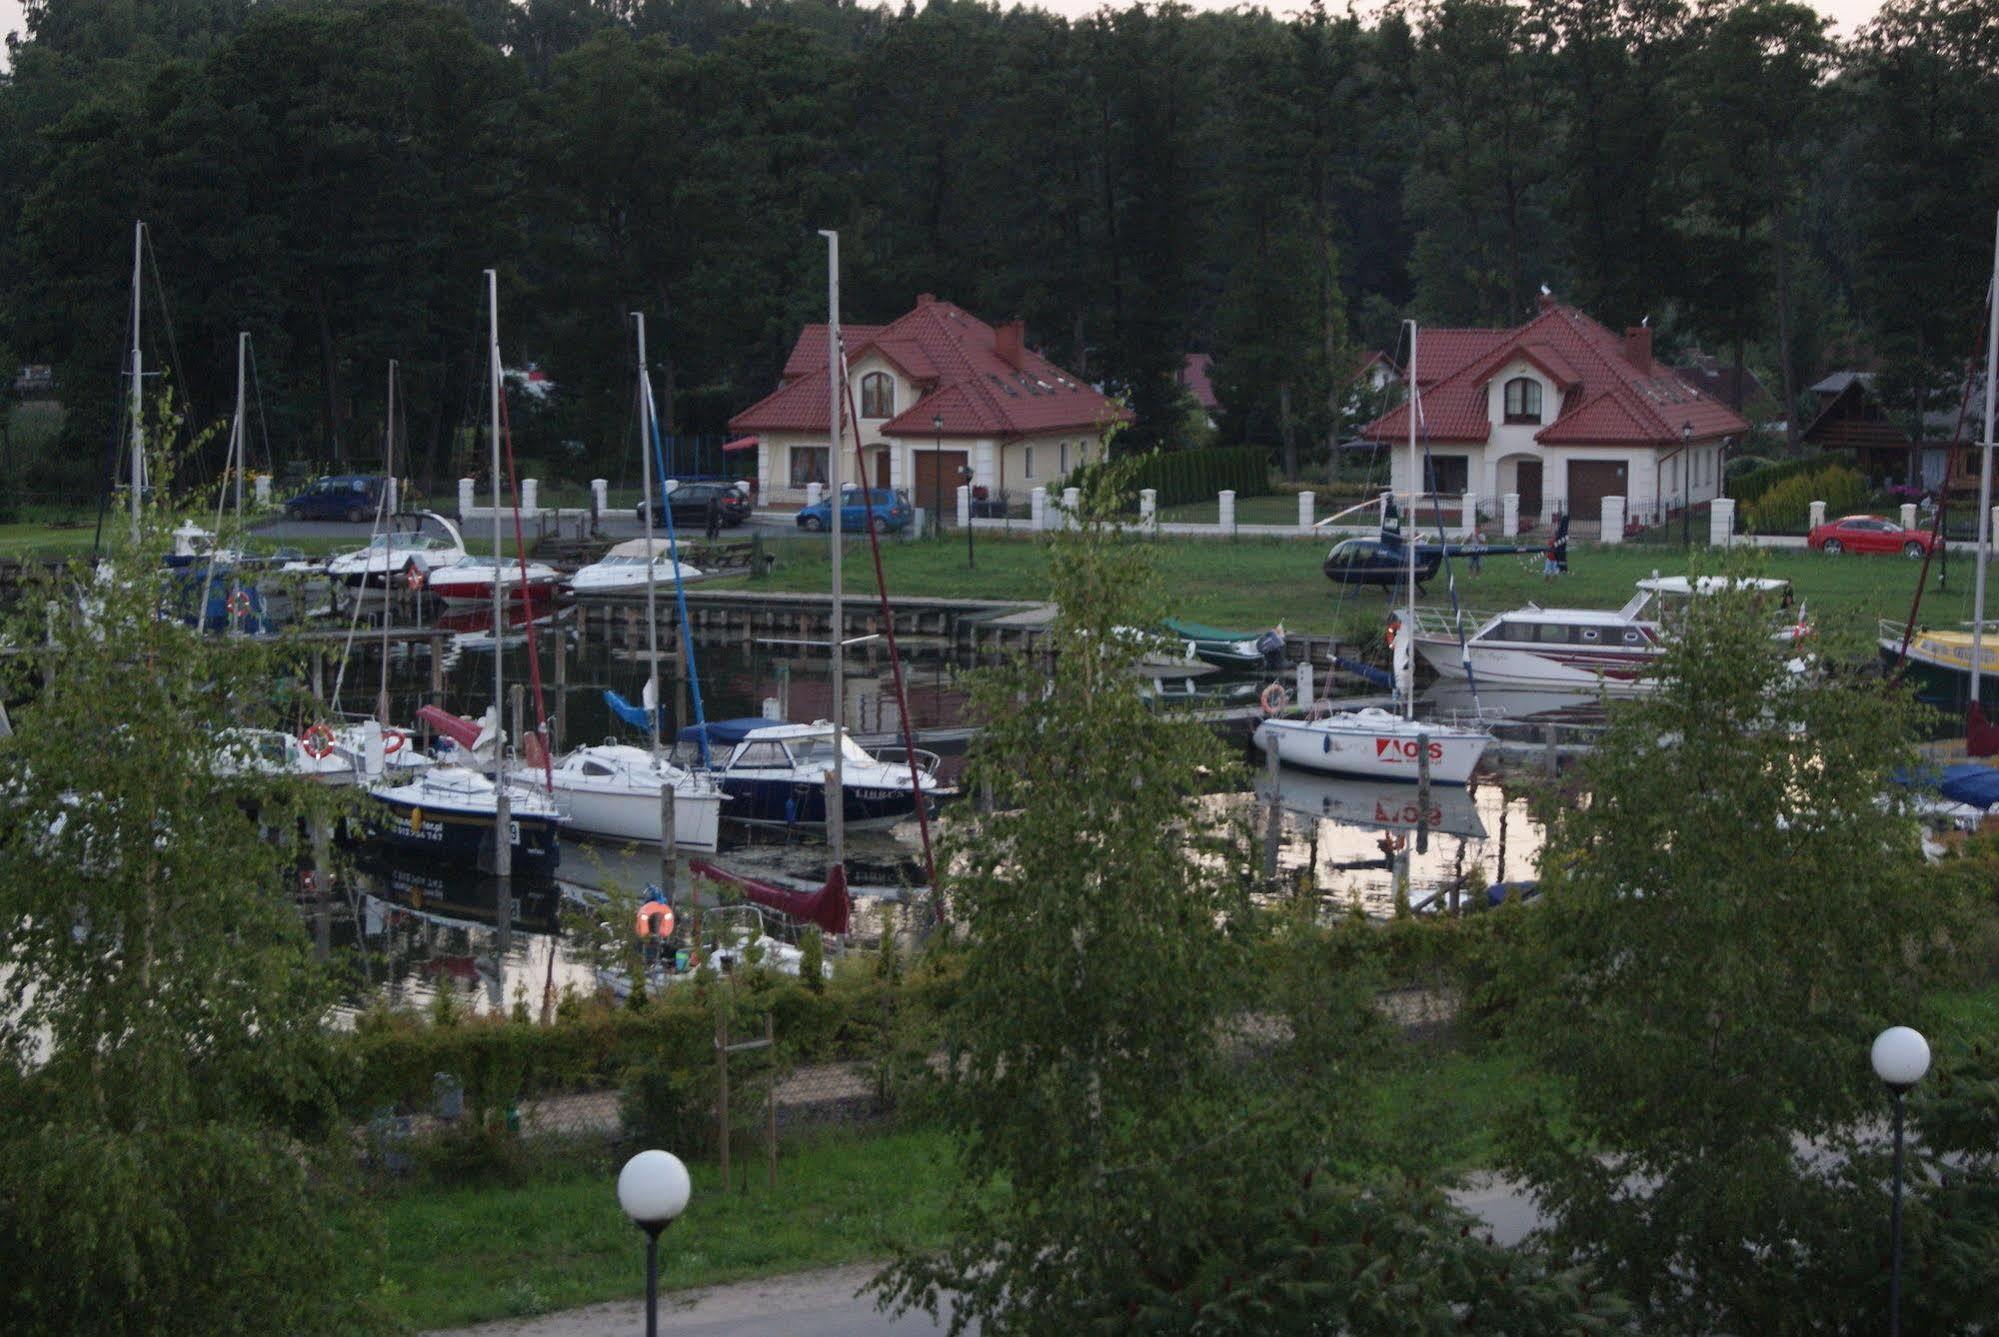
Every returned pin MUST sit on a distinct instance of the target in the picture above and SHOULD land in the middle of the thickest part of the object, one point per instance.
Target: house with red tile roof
(934, 391)
(1197, 378)
(1561, 412)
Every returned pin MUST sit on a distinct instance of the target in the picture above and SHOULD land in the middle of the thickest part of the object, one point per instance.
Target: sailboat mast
(1985, 479)
(1409, 532)
(503, 853)
(836, 797)
(138, 375)
(388, 485)
(238, 446)
(645, 509)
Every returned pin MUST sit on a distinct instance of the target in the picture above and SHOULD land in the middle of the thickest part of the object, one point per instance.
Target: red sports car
(1868, 533)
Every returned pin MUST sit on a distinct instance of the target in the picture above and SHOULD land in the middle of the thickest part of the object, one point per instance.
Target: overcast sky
(1848, 13)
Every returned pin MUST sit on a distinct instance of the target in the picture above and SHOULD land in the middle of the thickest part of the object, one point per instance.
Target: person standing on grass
(1551, 556)
(1477, 550)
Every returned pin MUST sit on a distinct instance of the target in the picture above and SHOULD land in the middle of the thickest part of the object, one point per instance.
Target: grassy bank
(468, 1254)
(1255, 583)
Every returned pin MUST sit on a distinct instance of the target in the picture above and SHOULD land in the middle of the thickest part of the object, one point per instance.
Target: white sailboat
(1373, 743)
(625, 569)
(612, 789)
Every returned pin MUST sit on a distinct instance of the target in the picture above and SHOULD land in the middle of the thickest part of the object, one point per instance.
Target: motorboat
(612, 789)
(470, 580)
(774, 773)
(415, 544)
(348, 755)
(1576, 648)
(449, 811)
(195, 546)
(1225, 649)
(1939, 663)
(624, 569)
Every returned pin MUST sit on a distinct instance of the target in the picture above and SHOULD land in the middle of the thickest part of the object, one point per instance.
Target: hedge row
(1183, 476)
(393, 1060)
(1751, 487)
(1786, 507)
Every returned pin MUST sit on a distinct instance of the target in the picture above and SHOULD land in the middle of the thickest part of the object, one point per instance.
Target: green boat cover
(1195, 631)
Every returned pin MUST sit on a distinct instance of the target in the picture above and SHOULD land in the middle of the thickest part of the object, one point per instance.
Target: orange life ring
(239, 603)
(412, 576)
(1273, 698)
(1388, 634)
(655, 919)
(317, 741)
(392, 741)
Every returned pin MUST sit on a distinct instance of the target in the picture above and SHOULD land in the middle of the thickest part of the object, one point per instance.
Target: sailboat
(613, 789)
(455, 811)
(1374, 743)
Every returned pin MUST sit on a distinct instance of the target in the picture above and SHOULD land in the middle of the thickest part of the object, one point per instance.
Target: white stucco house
(1562, 413)
(935, 391)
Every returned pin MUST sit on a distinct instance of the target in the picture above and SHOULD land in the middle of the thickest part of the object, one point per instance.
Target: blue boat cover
(1967, 783)
(1379, 677)
(726, 733)
(636, 716)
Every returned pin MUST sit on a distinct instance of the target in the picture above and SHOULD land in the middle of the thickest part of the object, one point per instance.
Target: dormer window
(1523, 399)
(878, 395)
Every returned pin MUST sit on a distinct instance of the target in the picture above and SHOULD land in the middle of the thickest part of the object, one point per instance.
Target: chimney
(1007, 342)
(1546, 301)
(1638, 346)
(925, 298)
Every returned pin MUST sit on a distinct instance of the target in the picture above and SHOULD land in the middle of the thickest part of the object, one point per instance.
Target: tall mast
(239, 445)
(138, 374)
(645, 508)
(503, 853)
(836, 798)
(1409, 532)
(387, 523)
(1985, 478)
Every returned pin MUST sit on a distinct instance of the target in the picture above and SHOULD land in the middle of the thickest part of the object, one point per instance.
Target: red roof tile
(961, 376)
(1609, 399)
(1197, 373)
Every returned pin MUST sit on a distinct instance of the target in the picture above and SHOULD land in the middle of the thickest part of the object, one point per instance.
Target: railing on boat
(926, 762)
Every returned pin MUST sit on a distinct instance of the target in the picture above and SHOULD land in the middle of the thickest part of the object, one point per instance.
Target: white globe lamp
(653, 1188)
(1901, 1057)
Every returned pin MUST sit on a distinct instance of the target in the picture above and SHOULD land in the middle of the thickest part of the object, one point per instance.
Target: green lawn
(1276, 510)
(1257, 582)
(469, 1254)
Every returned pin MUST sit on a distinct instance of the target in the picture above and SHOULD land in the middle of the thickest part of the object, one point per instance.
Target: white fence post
(600, 494)
(530, 496)
(1721, 523)
(1613, 520)
(1072, 502)
(1509, 515)
(1228, 510)
(814, 492)
(1148, 509)
(1037, 509)
(1468, 516)
(1307, 502)
(260, 488)
(1908, 515)
(464, 497)
(1304, 682)
(964, 505)
(1815, 514)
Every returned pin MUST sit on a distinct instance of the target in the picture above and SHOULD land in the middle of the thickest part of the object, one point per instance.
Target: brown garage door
(1590, 481)
(937, 479)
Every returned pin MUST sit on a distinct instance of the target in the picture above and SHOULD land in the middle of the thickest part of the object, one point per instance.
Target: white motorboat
(612, 790)
(450, 812)
(624, 569)
(1375, 744)
(469, 580)
(1585, 649)
(350, 755)
(416, 544)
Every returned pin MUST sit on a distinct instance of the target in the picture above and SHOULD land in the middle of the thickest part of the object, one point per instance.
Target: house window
(1030, 461)
(1065, 458)
(1446, 475)
(877, 395)
(1523, 399)
(808, 465)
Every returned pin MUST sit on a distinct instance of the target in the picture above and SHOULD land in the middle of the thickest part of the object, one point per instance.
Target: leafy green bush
(669, 1101)
(1750, 487)
(1786, 507)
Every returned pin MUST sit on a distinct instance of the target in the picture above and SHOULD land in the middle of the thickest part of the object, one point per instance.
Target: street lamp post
(965, 472)
(653, 1189)
(1901, 1056)
(1686, 487)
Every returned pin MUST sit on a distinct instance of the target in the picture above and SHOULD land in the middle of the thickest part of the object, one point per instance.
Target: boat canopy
(728, 733)
(637, 548)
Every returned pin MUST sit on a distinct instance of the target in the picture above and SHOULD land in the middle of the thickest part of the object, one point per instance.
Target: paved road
(824, 1304)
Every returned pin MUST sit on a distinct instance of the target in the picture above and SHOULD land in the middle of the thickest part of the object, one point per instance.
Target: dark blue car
(891, 511)
(349, 497)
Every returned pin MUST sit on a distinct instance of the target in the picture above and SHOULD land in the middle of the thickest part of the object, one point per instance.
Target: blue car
(892, 512)
(349, 497)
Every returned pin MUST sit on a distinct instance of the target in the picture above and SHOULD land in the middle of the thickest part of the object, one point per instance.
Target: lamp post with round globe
(653, 1189)
(1901, 1056)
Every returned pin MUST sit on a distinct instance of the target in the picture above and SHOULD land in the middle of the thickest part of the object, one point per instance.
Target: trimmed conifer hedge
(1183, 476)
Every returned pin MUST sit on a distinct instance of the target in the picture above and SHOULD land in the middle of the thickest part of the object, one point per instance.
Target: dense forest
(1275, 190)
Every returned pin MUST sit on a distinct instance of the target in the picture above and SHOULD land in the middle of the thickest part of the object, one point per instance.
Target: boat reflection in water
(1380, 806)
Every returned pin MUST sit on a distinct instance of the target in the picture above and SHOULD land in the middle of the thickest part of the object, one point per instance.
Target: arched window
(1523, 399)
(877, 395)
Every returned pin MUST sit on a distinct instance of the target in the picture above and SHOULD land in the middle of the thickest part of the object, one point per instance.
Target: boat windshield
(818, 748)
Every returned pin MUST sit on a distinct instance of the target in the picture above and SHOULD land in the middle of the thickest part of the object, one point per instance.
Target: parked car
(892, 512)
(1868, 533)
(690, 504)
(349, 497)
